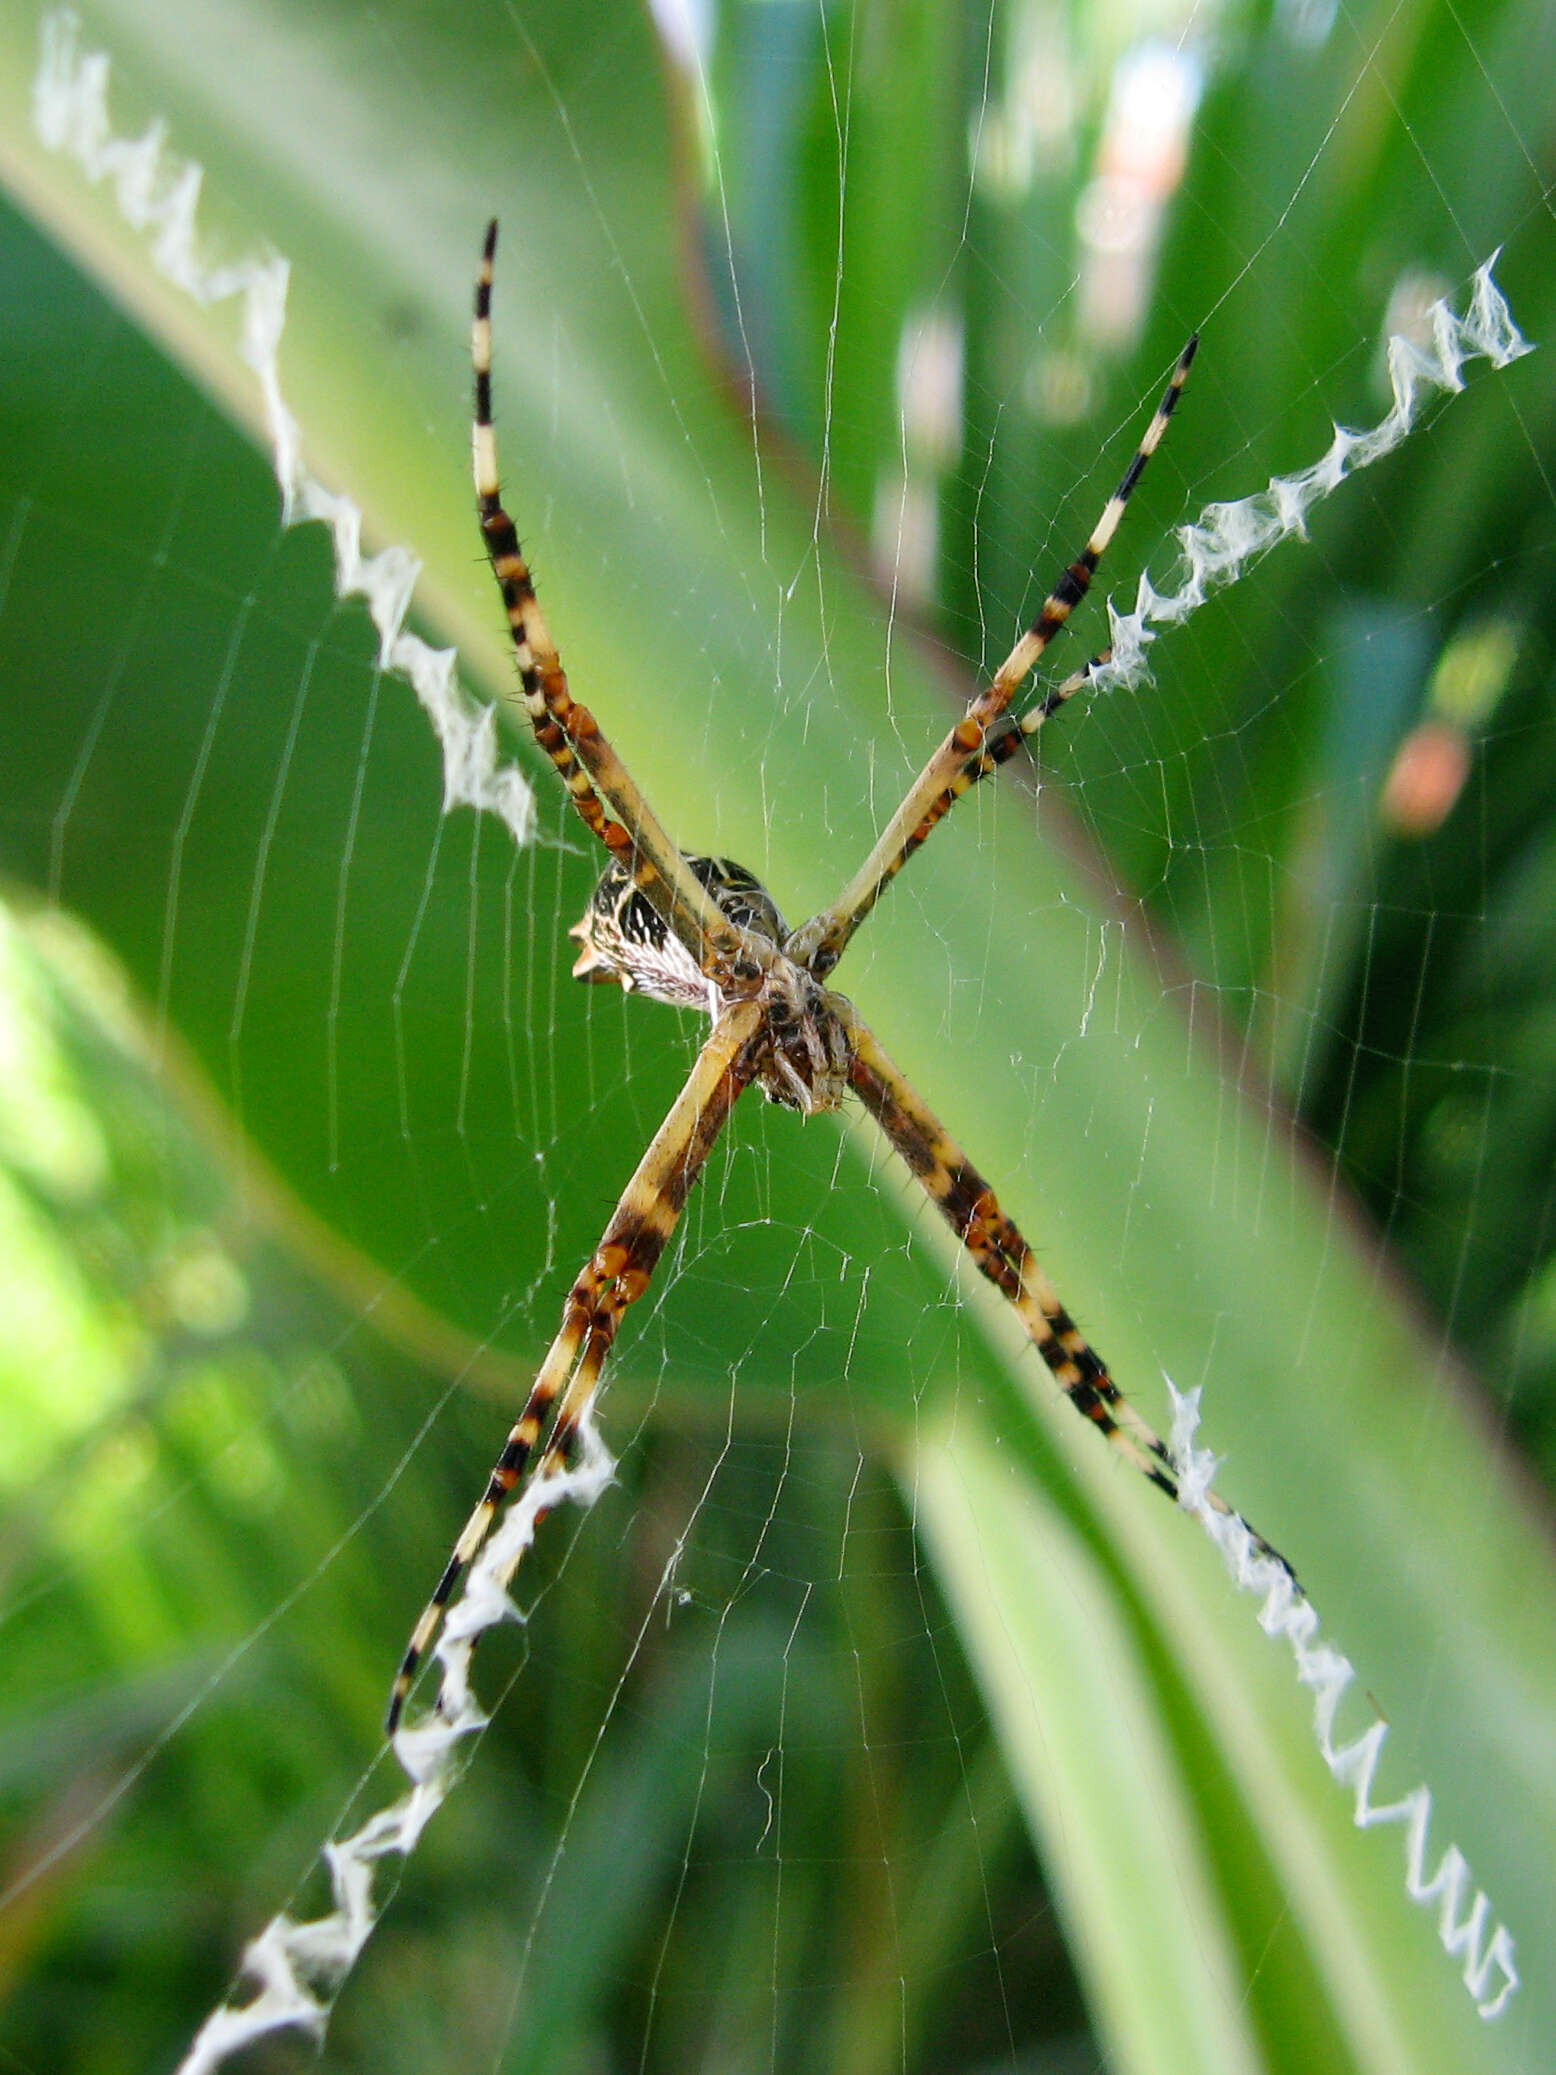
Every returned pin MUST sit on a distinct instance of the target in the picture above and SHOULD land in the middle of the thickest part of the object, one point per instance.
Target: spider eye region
(624, 942)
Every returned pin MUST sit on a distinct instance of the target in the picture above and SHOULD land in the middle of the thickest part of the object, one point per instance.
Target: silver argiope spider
(703, 931)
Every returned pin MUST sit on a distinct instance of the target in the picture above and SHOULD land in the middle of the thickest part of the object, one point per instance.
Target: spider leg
(820, 943)
(615, 1276)
(598, 783)
(999, 746)
(969, 1206)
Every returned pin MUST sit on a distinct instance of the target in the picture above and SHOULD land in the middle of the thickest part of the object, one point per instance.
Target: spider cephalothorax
(703, 932)
(800, 1057)
(803, 1056)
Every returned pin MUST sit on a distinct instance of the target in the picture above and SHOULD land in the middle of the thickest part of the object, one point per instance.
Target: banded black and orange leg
(616, 1275)
(820, 943)
(598, 783)
(969, 1206)
(999, 746)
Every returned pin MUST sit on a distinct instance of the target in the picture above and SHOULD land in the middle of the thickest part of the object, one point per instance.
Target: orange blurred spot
(1426, 779)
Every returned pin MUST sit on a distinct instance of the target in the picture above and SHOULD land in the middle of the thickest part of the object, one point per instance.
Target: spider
(704, 931)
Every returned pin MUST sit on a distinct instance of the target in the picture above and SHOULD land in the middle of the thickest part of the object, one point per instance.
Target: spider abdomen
(624, 940)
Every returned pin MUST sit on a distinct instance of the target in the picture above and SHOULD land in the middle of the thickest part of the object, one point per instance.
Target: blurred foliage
(761, 1790)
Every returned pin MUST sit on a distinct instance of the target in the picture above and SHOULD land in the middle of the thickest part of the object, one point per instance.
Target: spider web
(855, 1621)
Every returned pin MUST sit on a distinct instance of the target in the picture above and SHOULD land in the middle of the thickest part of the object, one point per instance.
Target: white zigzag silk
(1490, 1973)
(159, 192)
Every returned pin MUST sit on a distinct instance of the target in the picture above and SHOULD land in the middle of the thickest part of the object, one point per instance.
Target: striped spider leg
(978, 743)
(703, 931)
(609, 803)
(616, 1274)
(970, 1207)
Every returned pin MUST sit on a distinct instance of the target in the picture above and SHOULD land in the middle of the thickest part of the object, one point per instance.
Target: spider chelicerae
(703, 931)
